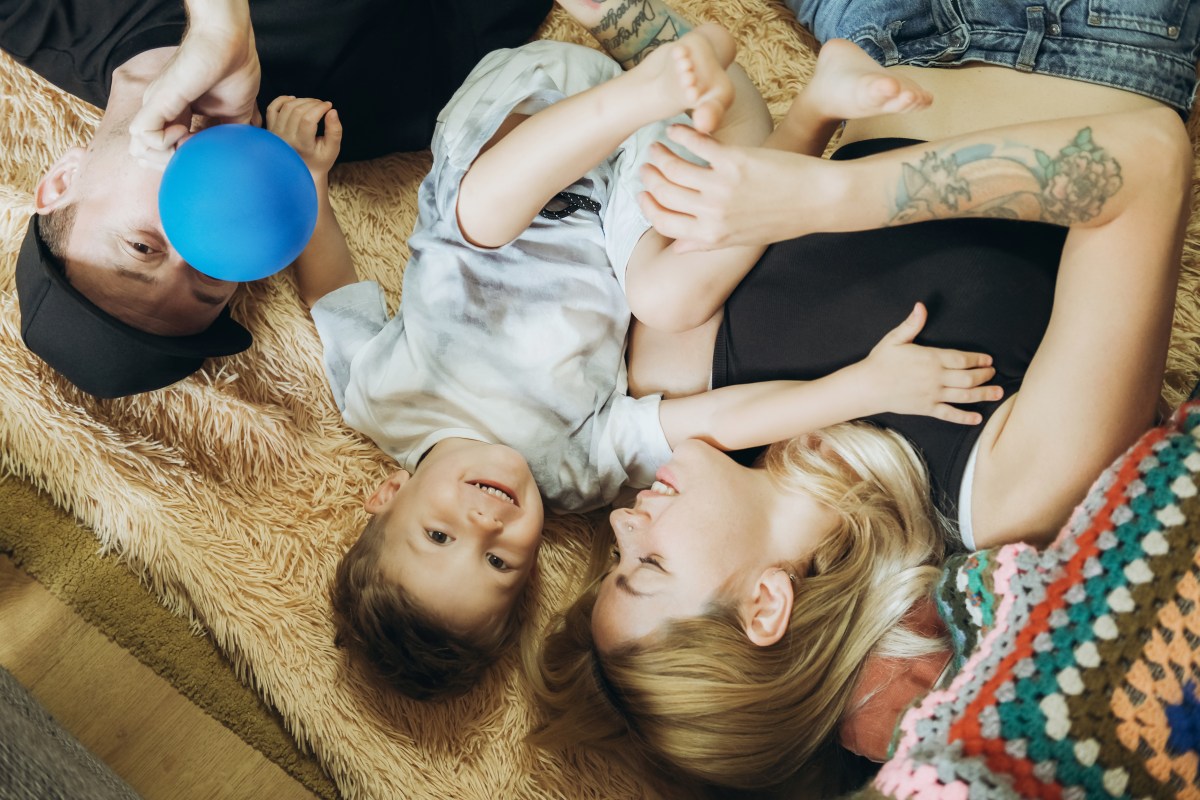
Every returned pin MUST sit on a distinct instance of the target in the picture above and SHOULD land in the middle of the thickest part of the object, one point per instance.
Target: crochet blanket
(1078, 666)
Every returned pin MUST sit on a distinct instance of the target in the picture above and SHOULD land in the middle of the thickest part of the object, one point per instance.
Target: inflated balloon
(237, 202)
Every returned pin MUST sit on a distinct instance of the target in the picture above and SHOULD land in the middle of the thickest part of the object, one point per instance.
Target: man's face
(117, 254)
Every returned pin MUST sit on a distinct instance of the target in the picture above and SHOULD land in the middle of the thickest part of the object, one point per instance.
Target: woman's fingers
(677, 170)
(668, 193)
(669, 223)
(699, 143)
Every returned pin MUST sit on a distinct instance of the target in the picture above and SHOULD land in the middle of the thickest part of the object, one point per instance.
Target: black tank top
(818, 303)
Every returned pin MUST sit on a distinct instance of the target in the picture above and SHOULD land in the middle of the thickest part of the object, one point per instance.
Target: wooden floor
(151, 735)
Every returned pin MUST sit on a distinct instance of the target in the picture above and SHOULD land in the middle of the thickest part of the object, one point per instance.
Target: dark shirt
(387, 66)
(819, 303)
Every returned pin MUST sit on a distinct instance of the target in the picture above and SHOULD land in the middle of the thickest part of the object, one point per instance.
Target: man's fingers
(154, 148)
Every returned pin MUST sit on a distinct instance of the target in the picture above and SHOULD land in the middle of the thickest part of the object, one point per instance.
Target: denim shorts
(1144, 46)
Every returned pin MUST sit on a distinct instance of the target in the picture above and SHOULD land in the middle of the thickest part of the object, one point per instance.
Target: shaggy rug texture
(235, 492)
(48, 544)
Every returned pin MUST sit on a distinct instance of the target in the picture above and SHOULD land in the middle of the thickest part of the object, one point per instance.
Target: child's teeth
(662, 488)
(494, 492)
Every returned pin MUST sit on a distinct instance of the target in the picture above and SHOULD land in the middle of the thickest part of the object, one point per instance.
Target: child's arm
(898, 376)
(325, 264)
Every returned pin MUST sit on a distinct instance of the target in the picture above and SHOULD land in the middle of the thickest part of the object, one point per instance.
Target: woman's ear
(386, 491)
(770, 608)
(53, 190)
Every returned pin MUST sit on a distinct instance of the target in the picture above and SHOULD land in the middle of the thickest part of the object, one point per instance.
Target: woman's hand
(295, 119)
(745, 196)
(912, 379)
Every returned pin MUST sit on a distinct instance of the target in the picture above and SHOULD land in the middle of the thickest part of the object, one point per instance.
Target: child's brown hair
(404, 645)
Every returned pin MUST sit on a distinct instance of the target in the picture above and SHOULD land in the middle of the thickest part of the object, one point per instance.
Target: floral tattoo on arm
(1009, 181)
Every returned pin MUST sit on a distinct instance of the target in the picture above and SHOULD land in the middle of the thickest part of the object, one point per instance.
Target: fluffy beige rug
(235, 492)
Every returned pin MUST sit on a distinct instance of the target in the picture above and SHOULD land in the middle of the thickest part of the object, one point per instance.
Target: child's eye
(438, 537)
(497, 562)
(615, 554)
(651, 561)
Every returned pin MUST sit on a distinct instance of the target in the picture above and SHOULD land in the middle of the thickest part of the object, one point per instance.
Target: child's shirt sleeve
(347, 319)
(624, 223)
(632, 445)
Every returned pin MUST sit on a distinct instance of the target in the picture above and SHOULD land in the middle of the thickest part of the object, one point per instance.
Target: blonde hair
(697, 696)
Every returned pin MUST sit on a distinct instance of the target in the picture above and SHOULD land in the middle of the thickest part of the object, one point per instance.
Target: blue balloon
(237, 202)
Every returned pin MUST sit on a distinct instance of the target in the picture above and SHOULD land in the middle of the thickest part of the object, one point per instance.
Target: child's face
(462, 532)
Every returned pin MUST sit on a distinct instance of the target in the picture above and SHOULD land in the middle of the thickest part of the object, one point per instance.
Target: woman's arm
(1069, 172)
(897, 376)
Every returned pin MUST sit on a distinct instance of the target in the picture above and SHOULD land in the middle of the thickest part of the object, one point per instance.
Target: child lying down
(502, 378)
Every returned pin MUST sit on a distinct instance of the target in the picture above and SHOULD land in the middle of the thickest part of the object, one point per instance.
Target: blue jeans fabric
(1144, 46)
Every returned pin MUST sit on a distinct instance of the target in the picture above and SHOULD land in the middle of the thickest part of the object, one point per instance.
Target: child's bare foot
(849, 84)
(691, 71)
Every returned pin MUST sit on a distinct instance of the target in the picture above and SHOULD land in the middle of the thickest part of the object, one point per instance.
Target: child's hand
(913, 379)
(294, 119)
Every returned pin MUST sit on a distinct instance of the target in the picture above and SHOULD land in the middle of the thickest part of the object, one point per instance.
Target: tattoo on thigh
(1009, 180)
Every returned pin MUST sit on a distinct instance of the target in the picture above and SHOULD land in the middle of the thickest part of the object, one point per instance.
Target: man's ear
(53, 190)
(386, 491)
(769, 611)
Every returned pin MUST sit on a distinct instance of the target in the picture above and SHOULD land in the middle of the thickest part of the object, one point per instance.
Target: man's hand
(912, 379)
(215, 72)
(745, 196)
(295, 119)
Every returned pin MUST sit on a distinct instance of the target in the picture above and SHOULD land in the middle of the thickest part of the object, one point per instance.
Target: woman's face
(707, 527)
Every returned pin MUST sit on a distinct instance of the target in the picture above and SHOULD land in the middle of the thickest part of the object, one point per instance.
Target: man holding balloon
(106, 299)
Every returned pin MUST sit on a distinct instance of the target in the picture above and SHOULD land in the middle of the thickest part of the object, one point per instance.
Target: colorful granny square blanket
(1077, 672)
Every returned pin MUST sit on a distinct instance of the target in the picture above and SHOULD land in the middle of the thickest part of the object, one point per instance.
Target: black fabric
(76, 44)
(387, 66)
(95, 350)
(818, 303)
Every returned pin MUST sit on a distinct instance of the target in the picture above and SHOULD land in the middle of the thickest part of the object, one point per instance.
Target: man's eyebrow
(126, 272)
(208, 299)
(623, 584)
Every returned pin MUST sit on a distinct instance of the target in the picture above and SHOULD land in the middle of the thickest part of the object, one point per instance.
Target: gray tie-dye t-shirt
(522, 345)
